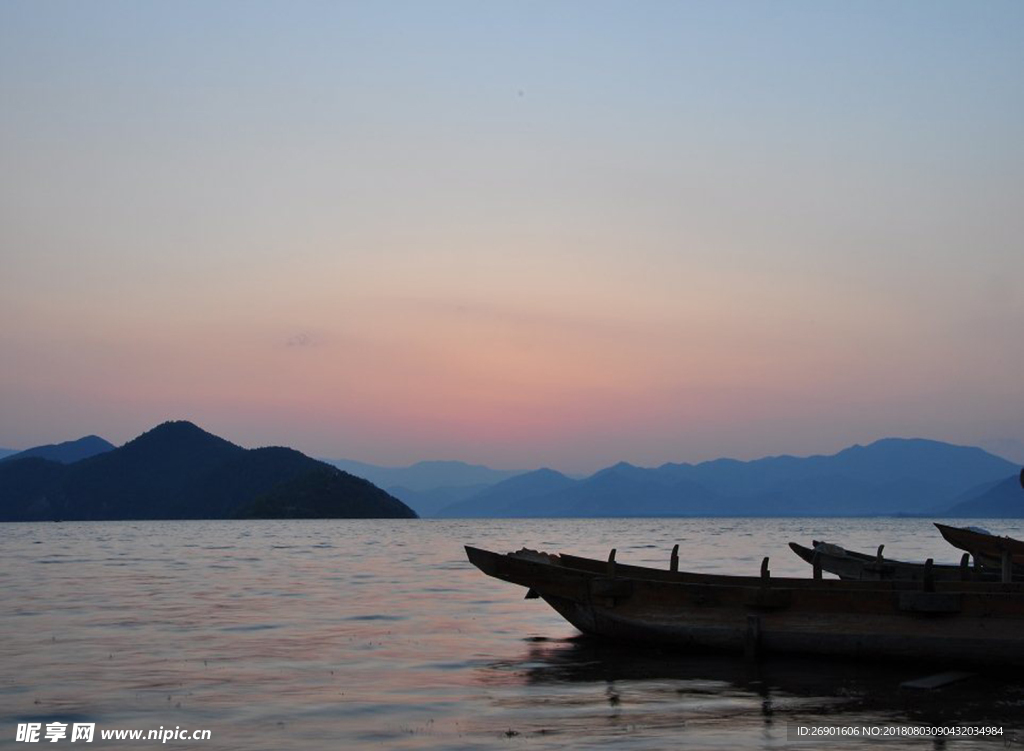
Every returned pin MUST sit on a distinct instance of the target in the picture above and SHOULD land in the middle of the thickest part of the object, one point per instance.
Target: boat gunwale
(594, 568)
(806, 554)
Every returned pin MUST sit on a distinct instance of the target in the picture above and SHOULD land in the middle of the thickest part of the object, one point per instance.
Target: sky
(514, 233)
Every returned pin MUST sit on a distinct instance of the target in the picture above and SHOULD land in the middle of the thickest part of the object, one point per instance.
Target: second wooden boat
(853, 566)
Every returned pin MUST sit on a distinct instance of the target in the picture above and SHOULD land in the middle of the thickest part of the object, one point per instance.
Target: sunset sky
(514, 233)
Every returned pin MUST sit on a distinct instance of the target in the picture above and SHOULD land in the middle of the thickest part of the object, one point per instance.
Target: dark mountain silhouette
(886, 477)
(316, 493)
(4, 453)
(1000, 500)
(67, 452)
(23, 488)
(178, 471)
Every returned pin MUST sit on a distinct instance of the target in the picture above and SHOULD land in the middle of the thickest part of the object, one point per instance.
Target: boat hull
(971, 623)
(855, 566)
(989, 549)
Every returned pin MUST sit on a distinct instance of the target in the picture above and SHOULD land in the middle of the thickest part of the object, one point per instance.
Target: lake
(379, 634)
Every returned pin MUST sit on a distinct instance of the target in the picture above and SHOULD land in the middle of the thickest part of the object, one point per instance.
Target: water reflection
(598, 682)
(329, 634)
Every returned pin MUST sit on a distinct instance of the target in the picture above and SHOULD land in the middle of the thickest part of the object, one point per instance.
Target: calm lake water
(379, 634)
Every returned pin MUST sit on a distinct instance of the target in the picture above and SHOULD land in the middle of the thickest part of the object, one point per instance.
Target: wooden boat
(989, 549)
(854, 566)
(954, 622)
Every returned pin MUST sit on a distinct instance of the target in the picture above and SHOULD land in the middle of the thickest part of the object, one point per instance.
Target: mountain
(626, 490)
(429, 502)
(428, 486)
(1008, 448)
(1001, 500)
(916, 460)
(425, 475)
(886, 477)
(65, 453)
(7, 452)
(516, 496)
(179, 471)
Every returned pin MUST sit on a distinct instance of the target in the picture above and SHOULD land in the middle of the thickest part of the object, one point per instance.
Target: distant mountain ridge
(428, 485)
(1002, 500)
(67, 452)
(179, 471)
(426, 475)
(429, 502)
(511, 497)
(886, 477)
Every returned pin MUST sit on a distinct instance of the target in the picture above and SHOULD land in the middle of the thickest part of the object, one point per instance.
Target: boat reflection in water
(593, 686)
(745, 660)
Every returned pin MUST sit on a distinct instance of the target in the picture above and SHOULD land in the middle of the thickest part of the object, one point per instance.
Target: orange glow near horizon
(462, 240)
